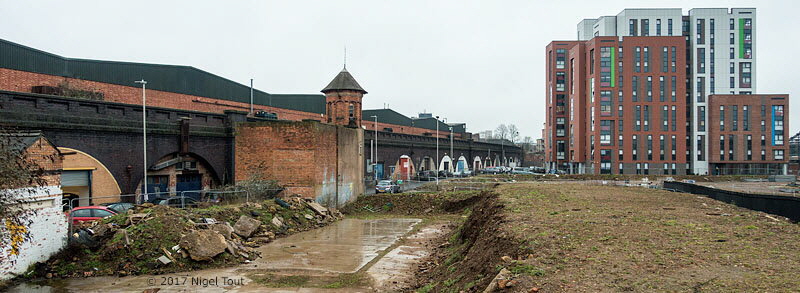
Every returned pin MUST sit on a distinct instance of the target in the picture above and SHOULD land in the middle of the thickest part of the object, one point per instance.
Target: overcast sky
(479, 62)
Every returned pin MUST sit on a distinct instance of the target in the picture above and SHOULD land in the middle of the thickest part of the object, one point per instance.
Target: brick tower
(343, 100)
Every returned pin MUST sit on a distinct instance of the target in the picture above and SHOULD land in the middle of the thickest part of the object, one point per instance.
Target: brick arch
(104, 184)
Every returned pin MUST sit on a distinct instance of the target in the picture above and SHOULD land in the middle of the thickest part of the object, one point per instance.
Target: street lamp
(375, 162)
(144, 138)
(452, 155)
(437, 150)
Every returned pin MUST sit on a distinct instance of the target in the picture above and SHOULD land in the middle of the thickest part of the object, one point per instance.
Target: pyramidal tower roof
(344, 81)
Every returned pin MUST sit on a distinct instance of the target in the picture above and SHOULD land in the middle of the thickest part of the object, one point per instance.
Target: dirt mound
(471, 256)
(414, 203)
(152, 239)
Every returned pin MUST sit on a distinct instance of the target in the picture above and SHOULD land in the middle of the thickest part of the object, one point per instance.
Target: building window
(701, 146)
(700, 30)
(561, 150)
(745, 74)
(674, 118)
(661, 89)
(777, 154)
(646, 118)
(777, 125)
(638, 117)
(664, 59)
(746, 38)
(645, 27)
(674, 149)
(701, 118)
(669, 27)
(619, 111)
(674, 85)
(649, 88)
(635, 88)
(731, 147)
(561, 58)
(735, 117)
(745, 118)
(661, 147)
(701, 60)
(606, 132)
(605, 103)
(560, 81)
(731, 24)
(665, 118)
(637, 58)
(658, 27)
(632, 27)
(635, 147)
(722, 118)
(646, 59)
(606, 74)
(620, 156)
(351, 110)
(649, 147)
(731, 39)
(721, 147)
(560, 126)
(749, 147)
(701, 89)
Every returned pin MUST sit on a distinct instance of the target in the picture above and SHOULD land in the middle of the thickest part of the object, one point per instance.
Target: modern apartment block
(631, 95)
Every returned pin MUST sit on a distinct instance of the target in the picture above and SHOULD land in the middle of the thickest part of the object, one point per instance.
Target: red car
(90, 213)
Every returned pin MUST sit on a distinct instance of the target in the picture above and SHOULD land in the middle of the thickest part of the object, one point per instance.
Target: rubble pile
(153, 239)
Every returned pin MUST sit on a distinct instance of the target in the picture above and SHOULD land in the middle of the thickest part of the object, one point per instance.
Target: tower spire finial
(345, 57)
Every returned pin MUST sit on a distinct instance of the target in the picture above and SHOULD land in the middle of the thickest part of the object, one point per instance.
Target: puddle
(395, 268)
(343, 247)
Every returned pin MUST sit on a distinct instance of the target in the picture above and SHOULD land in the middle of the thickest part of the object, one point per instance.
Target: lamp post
(437, 150)
(452, 155)
(375, 163)
(144, 138)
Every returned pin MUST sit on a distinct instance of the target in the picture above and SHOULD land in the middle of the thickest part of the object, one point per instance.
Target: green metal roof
(385, 116)
(169, 78)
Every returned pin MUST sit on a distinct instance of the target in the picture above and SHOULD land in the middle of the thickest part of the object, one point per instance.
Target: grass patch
(526, 269)
(274, 281)
(348, 281)
(427, 288)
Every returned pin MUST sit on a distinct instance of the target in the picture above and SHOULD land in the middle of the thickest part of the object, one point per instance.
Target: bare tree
(501, 132)
(513, 132)
(20, 177)
(527, 143)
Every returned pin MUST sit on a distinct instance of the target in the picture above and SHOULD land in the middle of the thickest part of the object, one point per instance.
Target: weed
(527, 269)
(348, 281)
(427, 288)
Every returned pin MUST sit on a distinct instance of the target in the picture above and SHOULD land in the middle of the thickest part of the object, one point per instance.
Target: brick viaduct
(111, 133)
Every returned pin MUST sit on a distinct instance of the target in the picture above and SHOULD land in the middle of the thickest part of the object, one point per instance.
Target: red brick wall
(48, 158)
(21, 81)
(370, 126)
(294, 154)
(753, 102)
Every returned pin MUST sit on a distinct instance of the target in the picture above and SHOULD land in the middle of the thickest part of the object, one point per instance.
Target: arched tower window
(351, 109)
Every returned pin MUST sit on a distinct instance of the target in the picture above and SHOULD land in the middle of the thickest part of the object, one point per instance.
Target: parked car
(491, 170)
(90, 213)
(445, 174)
(119, 207)
(179, 202)
(425, 175)
(521, 171)
(387, 186)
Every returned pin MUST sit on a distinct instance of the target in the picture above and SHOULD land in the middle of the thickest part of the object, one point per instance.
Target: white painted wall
(48, 233)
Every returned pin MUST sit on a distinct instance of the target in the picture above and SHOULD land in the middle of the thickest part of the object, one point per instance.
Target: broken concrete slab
(245, 226)
(319, 209)
(164, 260)
(277, 222)
(203, 244)
(222, 228)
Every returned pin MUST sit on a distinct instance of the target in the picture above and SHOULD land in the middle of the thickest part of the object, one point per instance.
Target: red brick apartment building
(747, 134)
(617, 105)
